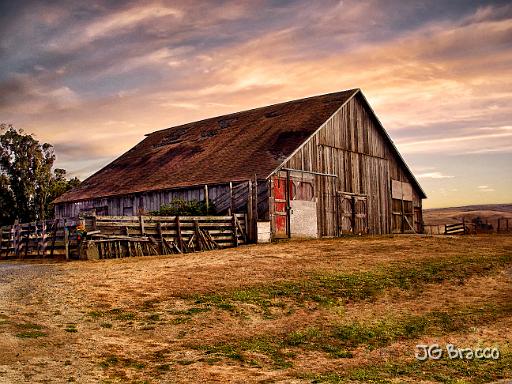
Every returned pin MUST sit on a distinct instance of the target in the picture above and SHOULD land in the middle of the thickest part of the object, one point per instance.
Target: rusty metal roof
(226, 148)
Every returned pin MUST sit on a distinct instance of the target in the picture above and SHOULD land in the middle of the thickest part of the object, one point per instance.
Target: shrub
(185, 208)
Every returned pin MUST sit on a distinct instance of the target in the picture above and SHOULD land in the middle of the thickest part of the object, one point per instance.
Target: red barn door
(280, 207)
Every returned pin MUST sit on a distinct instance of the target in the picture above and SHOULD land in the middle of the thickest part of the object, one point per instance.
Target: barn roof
(226, 148)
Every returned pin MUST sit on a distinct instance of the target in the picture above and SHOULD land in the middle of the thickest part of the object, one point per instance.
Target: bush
(185, 208)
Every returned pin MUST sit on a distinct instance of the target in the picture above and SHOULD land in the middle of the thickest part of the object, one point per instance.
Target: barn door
(345, 214)
(360, 215)
(352, 214)
(281, 210)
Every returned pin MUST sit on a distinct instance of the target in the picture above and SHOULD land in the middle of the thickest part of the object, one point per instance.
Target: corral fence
(103, 237)
(498, 225)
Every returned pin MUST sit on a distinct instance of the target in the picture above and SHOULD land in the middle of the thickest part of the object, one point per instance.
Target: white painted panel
(263, 229)
(303, 219)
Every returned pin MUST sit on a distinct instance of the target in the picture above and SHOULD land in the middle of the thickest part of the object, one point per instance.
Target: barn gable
(353, 157)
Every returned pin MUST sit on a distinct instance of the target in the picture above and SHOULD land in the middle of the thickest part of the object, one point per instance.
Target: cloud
(433, 175)
(485, 188)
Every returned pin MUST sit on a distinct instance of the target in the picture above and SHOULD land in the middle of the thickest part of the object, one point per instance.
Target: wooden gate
(352, 214)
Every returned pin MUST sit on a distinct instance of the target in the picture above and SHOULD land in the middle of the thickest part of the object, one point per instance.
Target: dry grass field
(333, 310)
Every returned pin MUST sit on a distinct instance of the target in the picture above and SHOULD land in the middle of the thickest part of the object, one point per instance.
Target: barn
(318, 166)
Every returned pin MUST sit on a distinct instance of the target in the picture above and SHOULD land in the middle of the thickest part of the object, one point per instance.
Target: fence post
(66, 239)
(141, 222)
(54, 237)
(160, 236)
(43, 238)
(198, 235)
(17, 238)
(27, 238)
(93, 219)
(179, 238)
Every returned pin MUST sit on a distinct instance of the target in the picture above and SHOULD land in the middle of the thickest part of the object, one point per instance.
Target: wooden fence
(122, 236)
(39, 239)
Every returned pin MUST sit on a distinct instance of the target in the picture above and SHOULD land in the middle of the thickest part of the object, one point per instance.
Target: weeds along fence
(103, 237)
(39, 239)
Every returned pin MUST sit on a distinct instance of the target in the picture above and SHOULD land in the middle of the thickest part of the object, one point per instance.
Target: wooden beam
(206, 198)
(249, 210)
(231, 210)
(288, 207)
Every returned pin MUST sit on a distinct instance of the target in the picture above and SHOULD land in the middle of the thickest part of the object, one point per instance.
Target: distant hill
(489, 212)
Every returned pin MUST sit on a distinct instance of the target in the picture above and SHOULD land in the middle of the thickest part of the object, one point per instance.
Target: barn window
(127, 211)
(101, 211)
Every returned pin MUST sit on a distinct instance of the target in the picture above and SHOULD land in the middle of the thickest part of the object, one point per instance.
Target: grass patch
(95, 314)
(154, 317)
(31, 334)
(30, 331)
(125, 316)
(106, 325)
(180, 320)
(190, 311)
(71, 328)
(328, 288)
(29, 326)
(109, 361)
(338, 341)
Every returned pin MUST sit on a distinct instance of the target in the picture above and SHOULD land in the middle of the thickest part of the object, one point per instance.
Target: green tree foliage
(27, 184)
(185, 208)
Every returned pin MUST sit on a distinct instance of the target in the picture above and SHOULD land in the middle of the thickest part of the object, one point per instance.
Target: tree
(27, 184)
(58, 186)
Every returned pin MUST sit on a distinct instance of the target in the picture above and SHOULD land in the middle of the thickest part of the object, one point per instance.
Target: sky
(92, 77)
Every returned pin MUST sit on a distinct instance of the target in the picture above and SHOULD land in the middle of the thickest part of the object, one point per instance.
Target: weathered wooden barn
(319, 166)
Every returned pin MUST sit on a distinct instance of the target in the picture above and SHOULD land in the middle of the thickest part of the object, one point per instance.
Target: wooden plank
(234, 230)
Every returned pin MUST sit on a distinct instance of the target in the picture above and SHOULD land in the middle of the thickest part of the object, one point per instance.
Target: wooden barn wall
(351, 146)
(152, 201)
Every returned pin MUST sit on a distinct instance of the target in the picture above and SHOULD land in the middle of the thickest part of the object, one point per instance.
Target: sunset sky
(92, 77)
